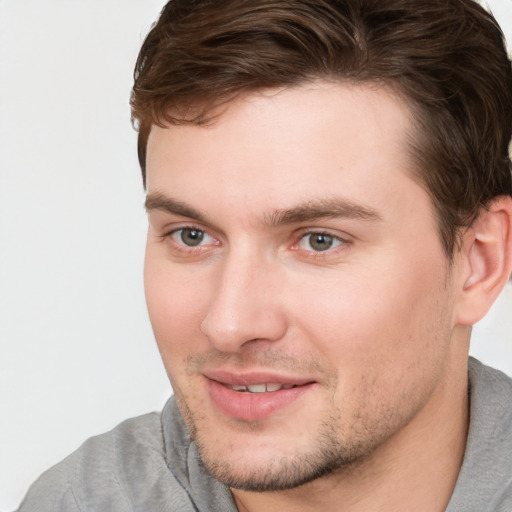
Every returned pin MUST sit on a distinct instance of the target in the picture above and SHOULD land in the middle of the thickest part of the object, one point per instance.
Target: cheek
(376, 317)
(386, 342)
(176, 304)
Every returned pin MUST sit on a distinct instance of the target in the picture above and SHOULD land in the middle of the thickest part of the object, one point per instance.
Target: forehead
(274, 148)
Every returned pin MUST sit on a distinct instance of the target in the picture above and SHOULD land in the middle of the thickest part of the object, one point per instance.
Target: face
(296, 283)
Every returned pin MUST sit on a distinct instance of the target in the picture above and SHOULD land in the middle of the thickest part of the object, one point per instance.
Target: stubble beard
(284, 472)
(334, 453)
(338, 445)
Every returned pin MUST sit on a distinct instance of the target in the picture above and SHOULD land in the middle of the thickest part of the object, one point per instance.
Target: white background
(77, 355)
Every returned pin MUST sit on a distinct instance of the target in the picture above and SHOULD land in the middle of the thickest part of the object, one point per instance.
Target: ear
(487, 254)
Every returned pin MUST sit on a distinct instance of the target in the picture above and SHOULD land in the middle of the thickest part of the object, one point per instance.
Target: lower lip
(253, 406)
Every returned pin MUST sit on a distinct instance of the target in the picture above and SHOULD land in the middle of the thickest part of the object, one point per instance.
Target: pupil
(321, 242)
(192, 237)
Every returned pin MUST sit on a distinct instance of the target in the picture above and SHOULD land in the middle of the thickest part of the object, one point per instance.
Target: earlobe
(488, 254)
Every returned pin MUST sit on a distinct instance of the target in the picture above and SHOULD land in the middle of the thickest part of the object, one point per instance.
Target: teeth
(261, 388)
(257, 388)
(274, 387)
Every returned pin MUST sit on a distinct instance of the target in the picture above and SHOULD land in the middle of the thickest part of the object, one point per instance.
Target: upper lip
(254, 377)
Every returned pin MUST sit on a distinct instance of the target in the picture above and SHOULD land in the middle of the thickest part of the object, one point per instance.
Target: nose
(245, 304)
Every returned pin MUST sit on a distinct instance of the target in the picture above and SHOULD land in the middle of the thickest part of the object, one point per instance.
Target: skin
(372, 321)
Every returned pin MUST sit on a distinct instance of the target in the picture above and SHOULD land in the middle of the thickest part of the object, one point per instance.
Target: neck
(416, 469)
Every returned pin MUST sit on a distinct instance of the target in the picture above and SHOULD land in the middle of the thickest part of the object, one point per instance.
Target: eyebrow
(310, 210)
(158, 201)
(316, 209)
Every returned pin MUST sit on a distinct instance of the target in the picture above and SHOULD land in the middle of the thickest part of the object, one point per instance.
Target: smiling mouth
(254, 398)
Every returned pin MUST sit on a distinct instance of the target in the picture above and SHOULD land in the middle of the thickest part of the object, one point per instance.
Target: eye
(191, 237)
(318, 242)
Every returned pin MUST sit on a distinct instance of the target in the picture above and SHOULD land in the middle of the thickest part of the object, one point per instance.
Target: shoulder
(485, 479)
(491, 403)
(115, 471)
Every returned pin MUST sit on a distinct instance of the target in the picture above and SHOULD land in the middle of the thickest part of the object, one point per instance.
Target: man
(329, 193)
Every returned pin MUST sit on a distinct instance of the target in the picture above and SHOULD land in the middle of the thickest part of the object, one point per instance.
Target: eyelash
(340, 242)
(182, 247)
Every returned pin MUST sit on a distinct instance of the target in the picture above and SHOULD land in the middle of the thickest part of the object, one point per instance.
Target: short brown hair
(446, 57)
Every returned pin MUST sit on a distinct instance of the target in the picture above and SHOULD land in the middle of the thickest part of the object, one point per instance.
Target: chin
(260, 462)
(276, 474)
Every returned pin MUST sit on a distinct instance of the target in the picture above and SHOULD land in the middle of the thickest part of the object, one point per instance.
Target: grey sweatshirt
(150, 464)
